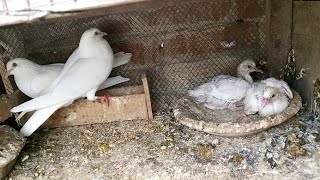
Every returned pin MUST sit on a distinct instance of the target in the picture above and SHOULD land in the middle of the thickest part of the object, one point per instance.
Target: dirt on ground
(164, 149)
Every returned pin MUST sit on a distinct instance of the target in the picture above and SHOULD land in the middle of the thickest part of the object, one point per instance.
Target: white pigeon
(79, 77)
(267, 98)
(32, 78)
(225, 91)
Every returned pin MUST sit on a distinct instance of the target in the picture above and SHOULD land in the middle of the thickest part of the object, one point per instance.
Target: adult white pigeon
(79, 77)
(267, 98)
(225, 91)
(32, 78)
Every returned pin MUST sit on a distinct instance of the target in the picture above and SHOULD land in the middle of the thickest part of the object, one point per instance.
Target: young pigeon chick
(32, 78)
(267, 98)
(225, 91)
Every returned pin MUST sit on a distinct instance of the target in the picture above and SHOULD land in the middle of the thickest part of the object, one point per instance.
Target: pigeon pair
(266, 98)
(32, 78)
(85, 71)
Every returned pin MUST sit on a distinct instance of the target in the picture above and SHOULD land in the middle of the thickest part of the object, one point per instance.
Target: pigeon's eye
(249, 66)
(273, 96)
(96, 33)
(14, 64)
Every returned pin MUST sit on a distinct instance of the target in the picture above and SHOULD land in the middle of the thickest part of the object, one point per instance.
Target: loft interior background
(181, 44)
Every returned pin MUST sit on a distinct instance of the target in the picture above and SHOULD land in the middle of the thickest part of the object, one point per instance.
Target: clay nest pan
(228, 123)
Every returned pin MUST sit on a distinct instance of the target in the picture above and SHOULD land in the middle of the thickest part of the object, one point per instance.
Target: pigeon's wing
(74, 57)
(280, 84)
(59, 65)
(228, 88)
(200, 93)
(112, 81)
(121, 58)
(252, 100)
(46, 75)
(75, 83)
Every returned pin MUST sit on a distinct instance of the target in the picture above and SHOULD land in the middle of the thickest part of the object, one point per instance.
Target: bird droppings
(316, 137)
(295, 151)
(316, 97)
(290, 69)
(104, 147)
(302, 73)
(293, 139)
(204, 152)
(134, 150)
(236, 159)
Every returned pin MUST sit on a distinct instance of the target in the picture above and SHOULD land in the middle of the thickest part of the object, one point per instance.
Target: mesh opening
(179, 46)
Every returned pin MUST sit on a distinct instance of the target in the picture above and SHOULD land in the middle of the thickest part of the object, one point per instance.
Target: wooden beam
(147, 95)
(81, 112)
(9, 101)
(279, 35)
(6, 82)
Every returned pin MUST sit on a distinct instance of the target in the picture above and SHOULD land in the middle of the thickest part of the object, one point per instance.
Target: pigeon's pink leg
(103, 99)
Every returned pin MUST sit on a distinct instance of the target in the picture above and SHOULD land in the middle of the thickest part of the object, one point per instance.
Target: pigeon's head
(248, 66)
(92, 33)
(270, 95)
(17, 65)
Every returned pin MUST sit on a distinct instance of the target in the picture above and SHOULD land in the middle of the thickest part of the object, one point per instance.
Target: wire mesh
(179, 46)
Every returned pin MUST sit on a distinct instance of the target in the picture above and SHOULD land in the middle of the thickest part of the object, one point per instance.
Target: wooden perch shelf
(126, 103)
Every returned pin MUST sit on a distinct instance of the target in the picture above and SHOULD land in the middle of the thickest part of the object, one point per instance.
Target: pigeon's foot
(18, 117)
(103, 99)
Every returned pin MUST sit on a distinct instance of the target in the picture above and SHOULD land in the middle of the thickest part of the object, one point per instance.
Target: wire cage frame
(178, 46)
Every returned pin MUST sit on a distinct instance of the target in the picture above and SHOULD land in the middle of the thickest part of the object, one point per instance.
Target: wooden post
(147, 94)
(9, 101)
(279, 35)
(5, 80)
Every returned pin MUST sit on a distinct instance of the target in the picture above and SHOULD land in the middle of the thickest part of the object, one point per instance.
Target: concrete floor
(163, 149)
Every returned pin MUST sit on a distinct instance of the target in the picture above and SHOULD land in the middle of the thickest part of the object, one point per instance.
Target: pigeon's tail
(121, 58)
(198, 95)
(38, 118)
(113, 81)
(40, 102)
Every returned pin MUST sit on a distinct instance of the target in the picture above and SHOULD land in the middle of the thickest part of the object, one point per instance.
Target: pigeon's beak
(103, 33)
(264, 102)
(8, 73)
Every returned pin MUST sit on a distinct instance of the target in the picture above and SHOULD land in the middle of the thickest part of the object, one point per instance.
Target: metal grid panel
(180, 46)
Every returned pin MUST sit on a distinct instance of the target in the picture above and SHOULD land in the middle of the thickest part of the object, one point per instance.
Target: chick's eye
(249, 66)
(273, 96)
(96, 33)
(14, 64)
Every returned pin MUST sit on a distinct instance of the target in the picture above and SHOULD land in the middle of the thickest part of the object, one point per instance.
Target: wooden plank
(81, 112)
(305, 42)
(9, 101)
(279, 35)
(122, 91)
(6, 82)
(147, 95)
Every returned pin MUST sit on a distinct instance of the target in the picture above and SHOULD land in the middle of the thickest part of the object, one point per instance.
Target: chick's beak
(264, 102)
(8, 73)
(257, 70)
